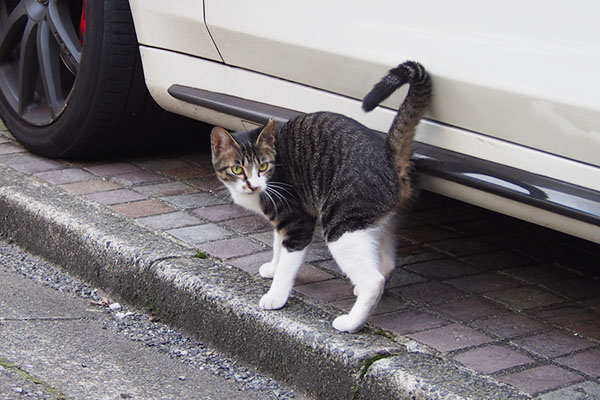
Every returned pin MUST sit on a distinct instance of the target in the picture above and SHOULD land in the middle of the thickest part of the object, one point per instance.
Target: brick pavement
(505, 298)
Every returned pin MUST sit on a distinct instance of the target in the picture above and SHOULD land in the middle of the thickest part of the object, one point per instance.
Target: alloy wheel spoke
(60, 23)
(28, 67)
(49, 60)
(12, 27)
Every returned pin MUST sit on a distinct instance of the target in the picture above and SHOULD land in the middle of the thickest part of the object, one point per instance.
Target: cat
(328, 169)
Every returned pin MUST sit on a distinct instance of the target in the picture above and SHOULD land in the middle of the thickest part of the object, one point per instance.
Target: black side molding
(536, 190)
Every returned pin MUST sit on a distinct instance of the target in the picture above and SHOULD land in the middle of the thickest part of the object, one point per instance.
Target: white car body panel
(164, 69)
(514, 83)
(178, 26)
(524, 72)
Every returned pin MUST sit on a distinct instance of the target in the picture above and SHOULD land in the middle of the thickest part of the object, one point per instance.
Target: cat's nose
(252, 188)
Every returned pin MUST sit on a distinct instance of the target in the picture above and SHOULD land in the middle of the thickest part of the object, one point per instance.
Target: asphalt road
(58, 342)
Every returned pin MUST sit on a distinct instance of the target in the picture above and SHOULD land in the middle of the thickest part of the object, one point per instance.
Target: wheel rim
(40, 56)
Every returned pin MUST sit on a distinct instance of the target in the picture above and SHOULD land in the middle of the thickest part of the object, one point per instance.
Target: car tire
(71, 80)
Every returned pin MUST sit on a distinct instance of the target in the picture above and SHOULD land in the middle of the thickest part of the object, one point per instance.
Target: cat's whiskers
(280, 186)
(266, 192)
(279, 196)
(223, 193)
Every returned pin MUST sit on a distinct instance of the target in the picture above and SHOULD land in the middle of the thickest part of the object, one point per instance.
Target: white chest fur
(250, 201)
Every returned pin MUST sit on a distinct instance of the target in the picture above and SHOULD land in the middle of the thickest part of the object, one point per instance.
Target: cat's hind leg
(387, 250)
(357, 254)
(267, 270)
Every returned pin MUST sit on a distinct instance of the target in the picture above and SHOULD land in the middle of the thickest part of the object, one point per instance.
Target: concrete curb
(219, 304)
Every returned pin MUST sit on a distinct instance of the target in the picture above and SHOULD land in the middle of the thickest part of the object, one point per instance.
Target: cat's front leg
(283, 280)
(267, 270)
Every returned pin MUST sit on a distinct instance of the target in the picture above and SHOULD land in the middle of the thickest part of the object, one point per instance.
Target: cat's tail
(402, 132)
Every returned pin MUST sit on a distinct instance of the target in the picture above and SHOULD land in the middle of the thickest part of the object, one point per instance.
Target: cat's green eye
(236, 169)
(263, 167)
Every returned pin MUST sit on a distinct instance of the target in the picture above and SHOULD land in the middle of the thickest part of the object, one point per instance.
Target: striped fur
(329, 169)
(402, 131)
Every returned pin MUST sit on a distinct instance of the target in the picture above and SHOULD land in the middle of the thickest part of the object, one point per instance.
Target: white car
(514, 125)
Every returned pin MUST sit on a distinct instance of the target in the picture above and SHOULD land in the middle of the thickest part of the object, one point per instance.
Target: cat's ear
(221, 141)
(267, 135)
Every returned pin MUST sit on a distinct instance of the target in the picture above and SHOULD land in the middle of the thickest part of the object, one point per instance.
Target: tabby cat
(328, 169)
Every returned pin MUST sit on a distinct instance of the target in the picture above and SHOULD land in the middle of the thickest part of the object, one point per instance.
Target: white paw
(356, 291)
(267, 270)
(345, 323)
(272, 301)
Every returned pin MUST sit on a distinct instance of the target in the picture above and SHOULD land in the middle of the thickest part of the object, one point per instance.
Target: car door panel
(514, 71)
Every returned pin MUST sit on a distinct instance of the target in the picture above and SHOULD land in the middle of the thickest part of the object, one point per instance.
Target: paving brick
(187, 172)
(567, 315)
(252, 263)
(486, 228)
(519, 237)
(407, 255)
(62, 176)
(587, 362)
(428, 292)
(497, 260)
(589, 329)
(9, 148)
(317, 251)
(427, 233)
(112, 169)
(467, 309)
(172, 220)
(576, 288)
(461, 246)
(386, 305)
(138, 177)
(200, 233)
(231, 248)
(311, 274)
(115, 196)
(444, 216)
(401, 277)
(553, 344)
(143, 208)
(329, 265)
(593, 302)
(567, 255)
(408, 321)
(492, 358)
(327, 291)
(211, 183)
(165, 189)
(31, 164)
(451, 337)
(222, 212)
(524, 298)
(484, 283)
(93, 186)
(442, 269)
(265, 238)
(193, 200)
(540, 379)
(159, 164)
(539, 274)
(580, 391)
(509, 326)
(248, 225)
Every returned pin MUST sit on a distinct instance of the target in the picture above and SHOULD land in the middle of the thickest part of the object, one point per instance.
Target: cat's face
(244, 164)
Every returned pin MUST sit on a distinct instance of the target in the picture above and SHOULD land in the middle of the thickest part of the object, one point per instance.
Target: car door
(519, 72)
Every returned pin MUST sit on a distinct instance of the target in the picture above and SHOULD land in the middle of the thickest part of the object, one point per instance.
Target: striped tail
(402, 132)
